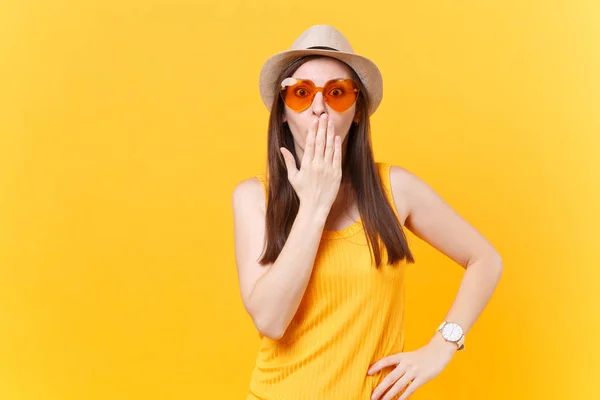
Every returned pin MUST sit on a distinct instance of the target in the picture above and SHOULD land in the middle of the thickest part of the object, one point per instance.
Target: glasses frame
(290, 82)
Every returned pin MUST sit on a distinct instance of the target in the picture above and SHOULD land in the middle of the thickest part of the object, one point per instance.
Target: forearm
(477, 286)
(277, 294)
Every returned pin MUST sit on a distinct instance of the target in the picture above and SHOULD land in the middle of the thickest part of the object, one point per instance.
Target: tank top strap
(384, 174)
(263, 181)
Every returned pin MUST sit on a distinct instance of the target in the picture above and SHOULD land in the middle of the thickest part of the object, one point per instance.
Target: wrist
(439, 342)
(314, 213)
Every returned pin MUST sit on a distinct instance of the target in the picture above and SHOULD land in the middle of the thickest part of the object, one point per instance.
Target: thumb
(290, 164)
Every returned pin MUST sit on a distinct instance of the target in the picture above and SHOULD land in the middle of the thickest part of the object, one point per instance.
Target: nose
(318, 105)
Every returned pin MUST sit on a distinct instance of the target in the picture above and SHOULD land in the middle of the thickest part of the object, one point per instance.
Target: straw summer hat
(327, 41)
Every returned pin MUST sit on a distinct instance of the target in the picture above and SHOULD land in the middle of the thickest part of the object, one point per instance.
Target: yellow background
(125, 125)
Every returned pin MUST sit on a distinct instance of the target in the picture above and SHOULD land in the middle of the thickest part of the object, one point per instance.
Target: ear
(357, 117)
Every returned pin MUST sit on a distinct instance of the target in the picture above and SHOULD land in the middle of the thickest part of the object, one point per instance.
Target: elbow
(270, 330)
(492, 264)
(269, 327)
(496, 265)
(274, 335)
(268, 321)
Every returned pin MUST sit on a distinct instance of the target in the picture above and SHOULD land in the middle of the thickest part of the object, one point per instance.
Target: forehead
(321, 70)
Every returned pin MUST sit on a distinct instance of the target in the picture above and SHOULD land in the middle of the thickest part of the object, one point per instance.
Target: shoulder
(404, 184)
(249, 193)
(412, 191)
(400, 178)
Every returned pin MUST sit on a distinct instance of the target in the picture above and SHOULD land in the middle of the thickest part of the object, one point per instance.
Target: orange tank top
(351, 315)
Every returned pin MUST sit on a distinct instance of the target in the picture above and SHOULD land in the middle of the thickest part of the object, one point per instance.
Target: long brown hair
(359, 172)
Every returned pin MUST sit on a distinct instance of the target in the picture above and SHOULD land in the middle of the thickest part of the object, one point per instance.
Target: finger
(385, 362)
(330, 144)
(309, 146)
(290, 163)
(398, 386)
(387, 383)
(320, 139)
(411, 388)
(337, 154)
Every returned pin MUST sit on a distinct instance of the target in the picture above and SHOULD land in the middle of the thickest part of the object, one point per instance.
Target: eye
(301, 92)
(336, 92)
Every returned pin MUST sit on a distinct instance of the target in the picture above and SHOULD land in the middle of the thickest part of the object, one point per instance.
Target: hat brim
(366, 70)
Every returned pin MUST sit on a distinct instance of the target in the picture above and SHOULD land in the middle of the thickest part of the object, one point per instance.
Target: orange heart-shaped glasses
(339, 94)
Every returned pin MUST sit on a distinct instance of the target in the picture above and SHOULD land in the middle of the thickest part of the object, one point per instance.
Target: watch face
(452, 332)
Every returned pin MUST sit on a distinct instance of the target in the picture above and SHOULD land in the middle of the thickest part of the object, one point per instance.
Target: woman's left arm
(431, 219)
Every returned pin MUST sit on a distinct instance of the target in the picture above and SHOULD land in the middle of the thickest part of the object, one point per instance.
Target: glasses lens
(341, 94)
(297, 94)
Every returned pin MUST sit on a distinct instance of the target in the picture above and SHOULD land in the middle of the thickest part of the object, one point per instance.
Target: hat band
(322, 48)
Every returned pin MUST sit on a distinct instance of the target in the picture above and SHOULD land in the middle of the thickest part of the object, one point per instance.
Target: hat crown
(322, 36)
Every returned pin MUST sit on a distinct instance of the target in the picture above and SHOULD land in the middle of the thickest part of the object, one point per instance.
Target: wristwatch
(452, 332)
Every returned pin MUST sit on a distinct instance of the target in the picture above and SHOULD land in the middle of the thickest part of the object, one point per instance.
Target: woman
(319, 240)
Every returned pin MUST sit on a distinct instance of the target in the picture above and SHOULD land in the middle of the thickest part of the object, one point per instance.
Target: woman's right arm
(271, 294)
